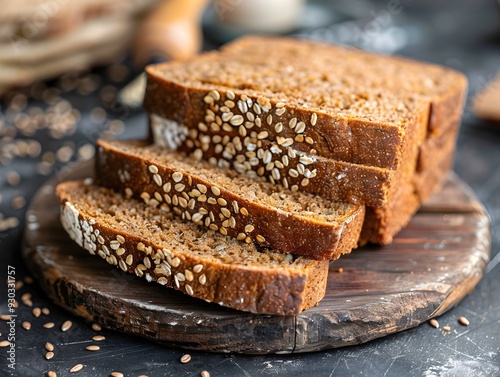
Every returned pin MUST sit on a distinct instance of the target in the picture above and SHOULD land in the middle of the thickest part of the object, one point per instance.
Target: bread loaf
(229, 203)
(140, 239)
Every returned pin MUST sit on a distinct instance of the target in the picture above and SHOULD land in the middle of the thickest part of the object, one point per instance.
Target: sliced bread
(144, 240)
(229, 203)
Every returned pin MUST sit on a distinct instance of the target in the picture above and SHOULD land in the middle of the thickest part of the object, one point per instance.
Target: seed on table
(92, 348)
(116, 374)
(66, 325)
(26, 325)
(49, 325)
(5, 317)
(51, 373)
(36, 312)
(49, 355)
(45, 311)
(4, 343)
(49, 346)
(463, 321)
(76, 368)
(205, 374)
(446, 328)
(28, 280)
(19, 284)
(96, 327)
(434, 323)
(98, 338)
(25, 296)
(186, 358)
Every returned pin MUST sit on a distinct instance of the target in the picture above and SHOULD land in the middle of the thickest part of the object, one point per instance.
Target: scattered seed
(463, 321)
(51, 373)
(76, 368)
(36, 312)
(98, 338)
(49, 346)
(66, 325)
(49, 355)
(96, 327)
(49, 325)
(93, 348)
(5, 317)
(204, 374)
(116, 374)
(186, 358)
(446, 328)
(45, 311)
(434, 323)
(6, 343)
(26, 325)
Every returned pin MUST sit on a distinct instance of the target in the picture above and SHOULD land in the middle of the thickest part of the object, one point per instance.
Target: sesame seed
(293, 173)
(446, 328)
(4, 343)
(223, 231)
(309, 140)
(92, 348)
(229, 104)
(36, 312)
(179, 187)
(114, 244)
(66, 325)
(204, 373)
(257, 109)
(176, 262)
(314, 119)
(262, 135)
(244, 211)
(189, 290)
(157, 179)
(120, 238)
(51, 373)
(226, 212)
(26, 325)
(98, 338)
(208, 99)
(222, 201)
(153, 169)
(230, 95)
(237, 120)
(141, 246)
(434, 323)
(301, 127)
(49, 325)
(198, 268)
(301, 169)
(249, 228)
(304, 182)
(278, 127)
(49, 346)
(281, 111)
(260, 238)
(226, 117)
(177, 176)
(214, 94)
(215, 190)
(116, 374)
(49, 355)
(96, 327)
(243, 107)
(463, 321)
(305, 160)
(202, 279)
(185, 358)
(76, 368)
(269, 119)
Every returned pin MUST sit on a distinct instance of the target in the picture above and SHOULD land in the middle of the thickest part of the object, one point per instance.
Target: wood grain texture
(430, 267)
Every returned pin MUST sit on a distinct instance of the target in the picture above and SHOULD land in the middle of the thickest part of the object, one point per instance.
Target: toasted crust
(206, 265)
(233, 205)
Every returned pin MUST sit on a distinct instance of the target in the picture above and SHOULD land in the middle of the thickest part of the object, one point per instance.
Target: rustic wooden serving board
(430, 267)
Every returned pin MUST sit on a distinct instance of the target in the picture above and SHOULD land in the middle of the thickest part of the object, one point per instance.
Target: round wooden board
(429, 268)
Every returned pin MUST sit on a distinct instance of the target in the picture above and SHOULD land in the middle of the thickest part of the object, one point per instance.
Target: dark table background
(461, 34)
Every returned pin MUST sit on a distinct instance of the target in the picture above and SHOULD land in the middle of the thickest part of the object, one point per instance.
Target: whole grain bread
(229, 203)
(149, 242)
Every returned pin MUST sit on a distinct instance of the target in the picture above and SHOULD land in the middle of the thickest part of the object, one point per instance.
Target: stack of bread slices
(267, 160)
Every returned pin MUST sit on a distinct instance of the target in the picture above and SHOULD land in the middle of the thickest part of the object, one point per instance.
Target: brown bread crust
(284, 288)
(147, 173)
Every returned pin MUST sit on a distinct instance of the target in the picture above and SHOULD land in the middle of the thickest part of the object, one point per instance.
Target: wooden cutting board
(373, 292)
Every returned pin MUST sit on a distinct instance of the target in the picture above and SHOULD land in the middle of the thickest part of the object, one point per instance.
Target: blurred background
(70, 72)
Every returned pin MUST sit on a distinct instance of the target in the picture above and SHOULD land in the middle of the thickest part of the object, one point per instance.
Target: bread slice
(229, 203)
(144, 240)
(219, 93)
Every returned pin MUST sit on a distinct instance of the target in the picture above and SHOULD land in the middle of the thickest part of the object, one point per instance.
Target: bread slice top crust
(204, 264)
(230, 203)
